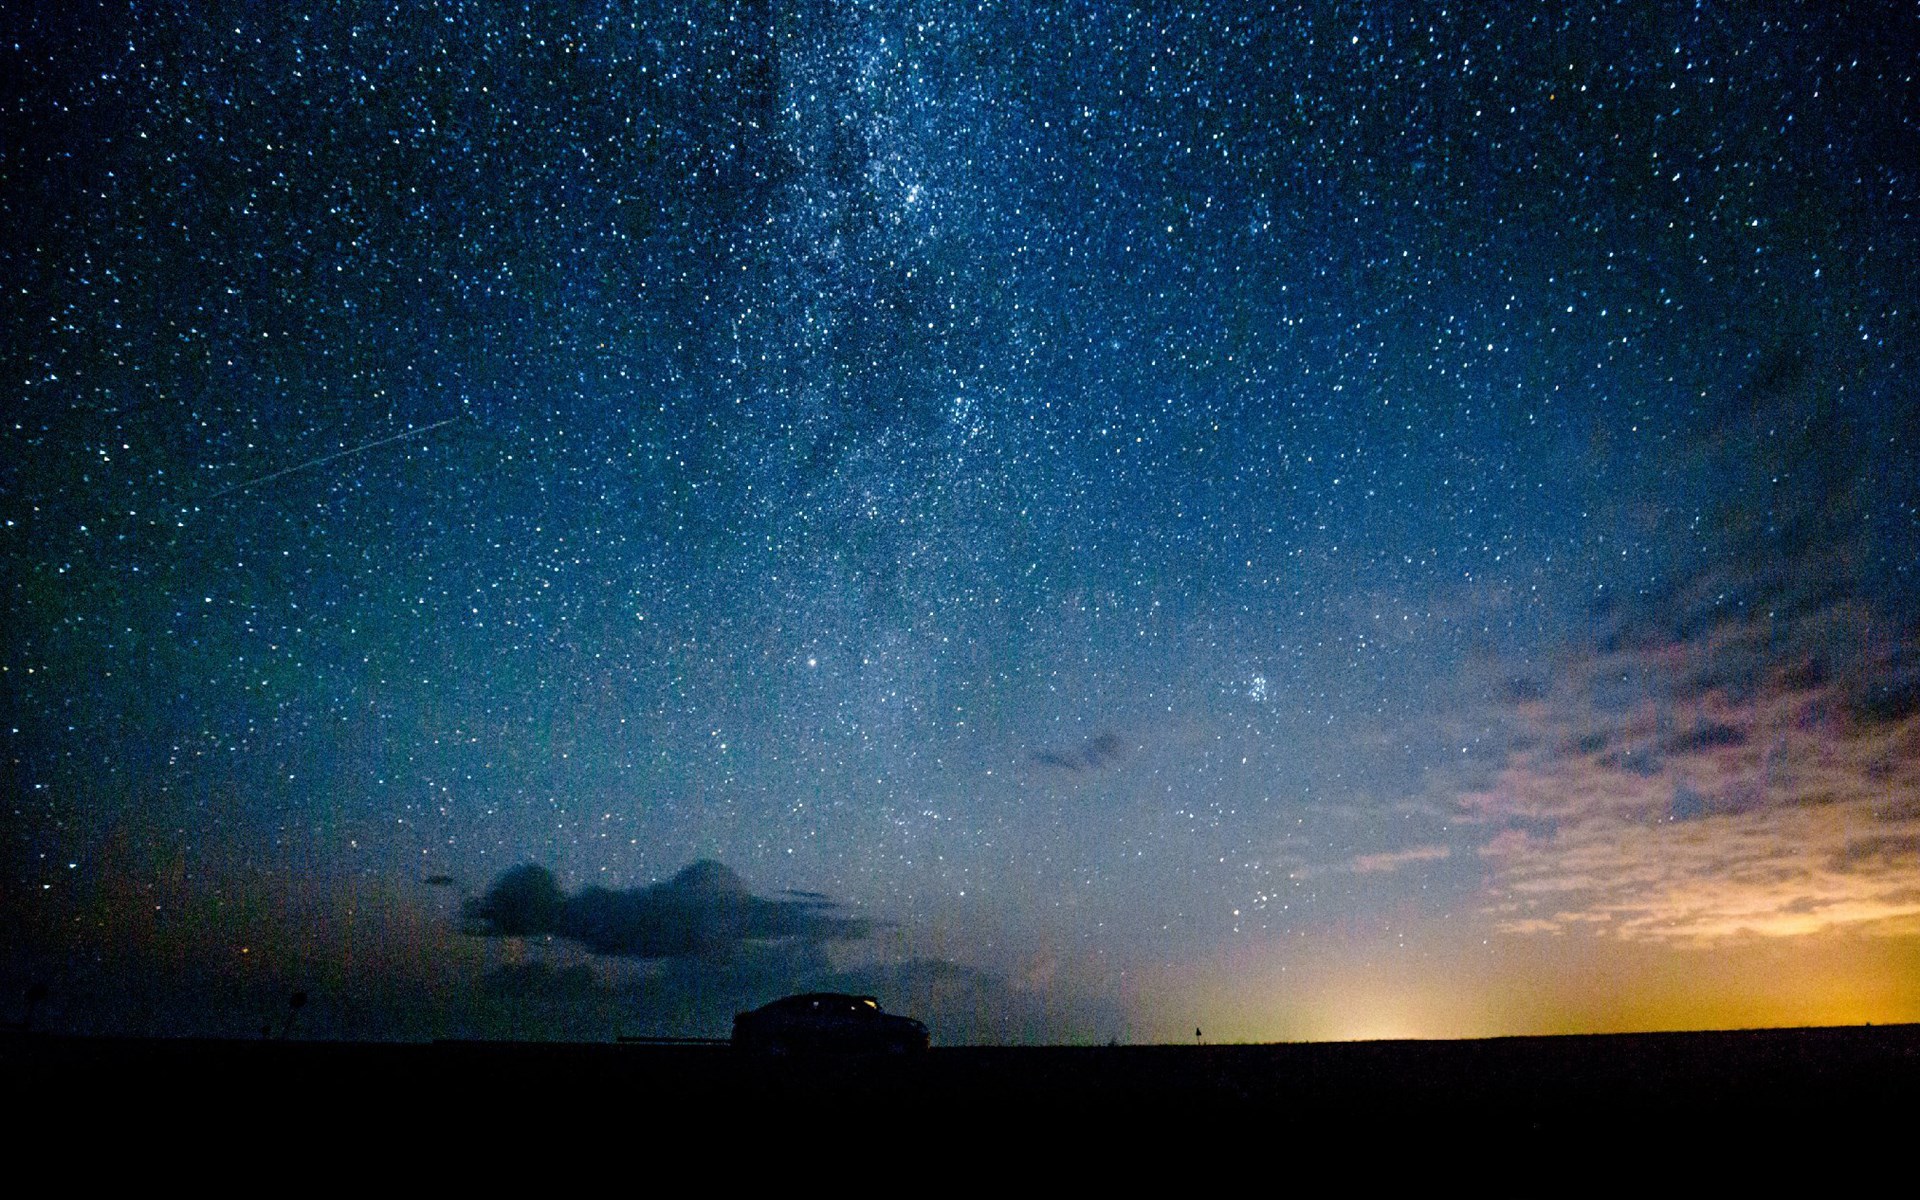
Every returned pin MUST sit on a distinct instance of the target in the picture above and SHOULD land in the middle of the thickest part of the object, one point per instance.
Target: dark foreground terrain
(1790, 1085)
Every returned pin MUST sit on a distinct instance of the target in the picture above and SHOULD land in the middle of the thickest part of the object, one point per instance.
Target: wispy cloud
(1771, 802)
(1736, 754)
(1090, 755)
(1394, 860)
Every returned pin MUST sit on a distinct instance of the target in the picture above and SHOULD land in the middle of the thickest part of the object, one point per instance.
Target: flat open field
(1839, 1080)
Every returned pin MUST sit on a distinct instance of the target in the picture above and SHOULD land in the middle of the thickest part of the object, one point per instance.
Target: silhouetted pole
(295, 1003)
(36, 992)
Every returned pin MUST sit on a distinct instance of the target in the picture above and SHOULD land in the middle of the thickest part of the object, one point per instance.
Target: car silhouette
(819, 1022)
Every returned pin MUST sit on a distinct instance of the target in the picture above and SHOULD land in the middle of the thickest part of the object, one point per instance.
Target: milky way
(1163, 515)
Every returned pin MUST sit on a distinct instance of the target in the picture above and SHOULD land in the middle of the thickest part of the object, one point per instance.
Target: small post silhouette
(36, 992)
(295, 1003)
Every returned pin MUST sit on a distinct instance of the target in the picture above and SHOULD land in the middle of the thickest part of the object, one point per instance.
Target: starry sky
(1320, 520)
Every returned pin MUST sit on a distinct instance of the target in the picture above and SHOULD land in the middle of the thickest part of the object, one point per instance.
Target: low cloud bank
(703, 912)
(711, 949)
(961, 1005)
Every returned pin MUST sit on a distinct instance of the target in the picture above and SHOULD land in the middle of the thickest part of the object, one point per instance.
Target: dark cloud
(1090, 755)
(961, 1004)
(1519, 690)
(1706, 736)
(703, 912)
(1691, 803)
(1900, 850)
(1885, 701)
(1807, 676)
(1641, 760)
(1794, 529)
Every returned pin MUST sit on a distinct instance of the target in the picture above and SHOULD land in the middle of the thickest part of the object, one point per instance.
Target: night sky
(1332, 520)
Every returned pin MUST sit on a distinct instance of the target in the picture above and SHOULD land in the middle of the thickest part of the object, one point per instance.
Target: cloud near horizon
(1737, 753)
(961, 1004)
(1690, 818)
(705, 911)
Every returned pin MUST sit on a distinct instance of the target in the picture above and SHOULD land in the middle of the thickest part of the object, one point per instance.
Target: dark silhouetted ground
(1794, 1087)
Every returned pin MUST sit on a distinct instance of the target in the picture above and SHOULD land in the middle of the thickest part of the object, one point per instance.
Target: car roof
(806, 999)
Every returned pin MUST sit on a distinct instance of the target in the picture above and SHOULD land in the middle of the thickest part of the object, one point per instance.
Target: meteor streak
(337, 455)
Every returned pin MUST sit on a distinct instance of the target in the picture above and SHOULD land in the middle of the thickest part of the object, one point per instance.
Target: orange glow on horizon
(1536, 986)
